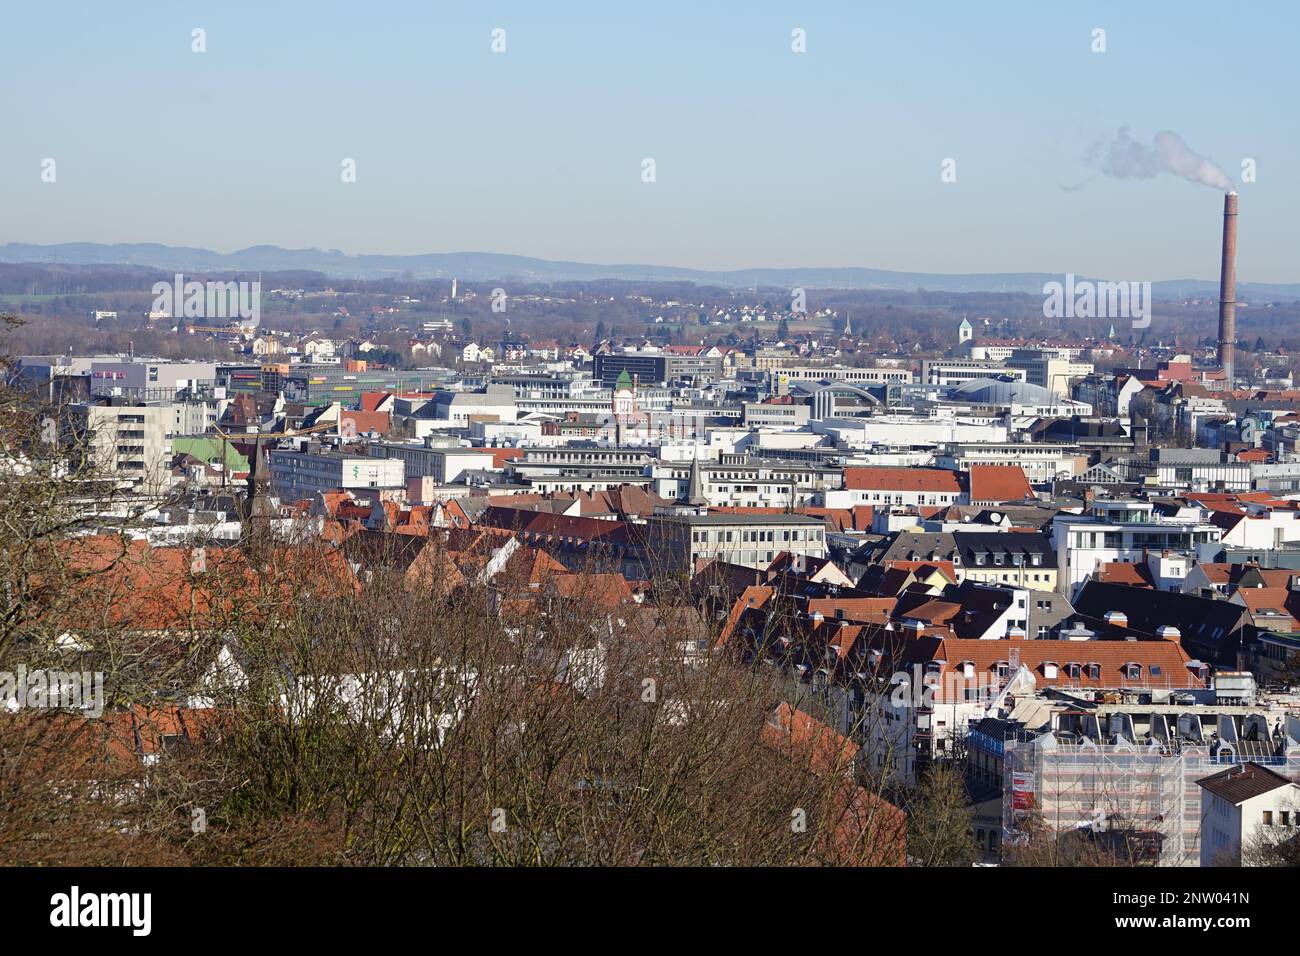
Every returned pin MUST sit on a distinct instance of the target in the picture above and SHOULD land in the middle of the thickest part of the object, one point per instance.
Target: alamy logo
(921, 688)
(1085, 299)
(52, 690)
(209, 300)
(103, 909)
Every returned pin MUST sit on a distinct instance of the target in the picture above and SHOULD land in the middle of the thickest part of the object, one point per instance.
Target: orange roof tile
(999, 483)
(879, 478)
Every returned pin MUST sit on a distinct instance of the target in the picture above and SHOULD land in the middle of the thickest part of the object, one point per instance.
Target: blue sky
(763, 157)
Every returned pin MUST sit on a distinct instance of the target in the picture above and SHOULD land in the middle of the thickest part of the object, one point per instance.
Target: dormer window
(1073, 670)
(968, 669)
(1050, 669)
(1133, 671)
(1094, 671)
(1036, 559)
(1002, 668)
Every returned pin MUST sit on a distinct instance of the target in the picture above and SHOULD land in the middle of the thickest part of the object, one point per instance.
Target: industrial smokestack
(1228, 289)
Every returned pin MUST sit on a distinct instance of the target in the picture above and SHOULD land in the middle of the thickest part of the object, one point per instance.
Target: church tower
(623, 404)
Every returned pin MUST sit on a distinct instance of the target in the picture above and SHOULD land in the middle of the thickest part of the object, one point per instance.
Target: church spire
(695, 489)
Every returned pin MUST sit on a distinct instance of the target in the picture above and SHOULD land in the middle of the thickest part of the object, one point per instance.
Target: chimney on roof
(1167, 632)
(1016, 634)
(1116, 619)
(818, 617)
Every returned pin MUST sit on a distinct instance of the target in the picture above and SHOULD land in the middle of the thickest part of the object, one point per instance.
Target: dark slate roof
(1009, 544)
(1243, 782)
(920, 546)
(1210, 628)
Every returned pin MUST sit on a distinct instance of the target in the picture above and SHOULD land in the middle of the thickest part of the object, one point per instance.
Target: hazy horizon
(764, 158)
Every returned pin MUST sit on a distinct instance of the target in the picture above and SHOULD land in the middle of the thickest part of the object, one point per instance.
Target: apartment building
(764, 415)
(129, 444)
(302, 475)
(445, 465)
(144, 378)
(736, 482)
(1022, 558)
(790, 374)
(898, 487)
(1124, 530)
(685, 542)
(656, 367)
(1041, 463)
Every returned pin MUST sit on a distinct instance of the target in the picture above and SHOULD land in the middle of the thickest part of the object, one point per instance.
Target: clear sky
(764, 157)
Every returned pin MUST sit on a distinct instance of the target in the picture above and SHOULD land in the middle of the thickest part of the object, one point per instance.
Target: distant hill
(479, 266)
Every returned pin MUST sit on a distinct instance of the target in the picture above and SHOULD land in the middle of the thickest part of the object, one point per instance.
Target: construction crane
(256, 513)
(257, 438)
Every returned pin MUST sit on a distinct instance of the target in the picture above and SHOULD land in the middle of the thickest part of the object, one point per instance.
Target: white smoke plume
(1126, 158)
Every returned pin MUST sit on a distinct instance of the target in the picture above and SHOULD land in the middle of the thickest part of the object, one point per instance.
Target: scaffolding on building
(1147, 791)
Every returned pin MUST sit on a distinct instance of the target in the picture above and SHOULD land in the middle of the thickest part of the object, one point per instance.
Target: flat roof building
(684, 542)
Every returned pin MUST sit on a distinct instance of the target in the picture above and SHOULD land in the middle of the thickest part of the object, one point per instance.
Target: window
(1268, 818)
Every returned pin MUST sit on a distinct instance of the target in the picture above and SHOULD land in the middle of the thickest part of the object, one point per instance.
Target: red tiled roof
(879, 478)
(1269, 603)
(804, 737)
(934, 611)
(140, 587)
(1217, 572)
(1112, 656)
(604, 590)
(1122, 572)
(999, 483)
(752, 598)
(870, 610)
(364, 421)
